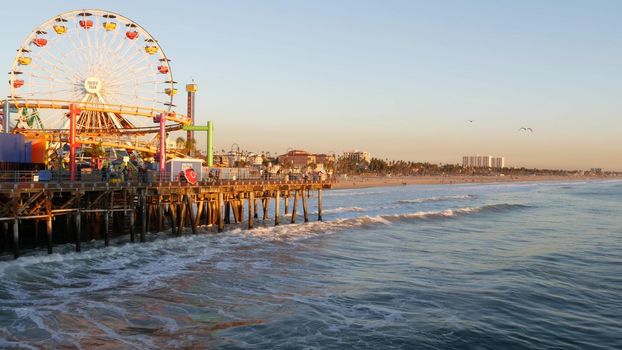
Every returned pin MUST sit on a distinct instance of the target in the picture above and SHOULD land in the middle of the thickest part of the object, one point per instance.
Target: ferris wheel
(106, 63)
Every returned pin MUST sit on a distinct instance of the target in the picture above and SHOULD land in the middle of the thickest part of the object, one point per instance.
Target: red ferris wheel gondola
(40, 42)
(86, 23)
(163, 69)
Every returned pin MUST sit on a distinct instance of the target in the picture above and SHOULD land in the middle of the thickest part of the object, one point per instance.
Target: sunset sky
(400, 79)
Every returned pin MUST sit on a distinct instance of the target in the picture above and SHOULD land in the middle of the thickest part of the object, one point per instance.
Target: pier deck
(34, 214)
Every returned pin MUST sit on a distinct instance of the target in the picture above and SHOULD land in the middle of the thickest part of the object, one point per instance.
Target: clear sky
(400, 79)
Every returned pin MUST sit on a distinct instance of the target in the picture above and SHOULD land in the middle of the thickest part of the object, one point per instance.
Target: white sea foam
(343, 210)
(176, 253)
(316, 228)
(436, 199)
(134, 266)
(348, 193)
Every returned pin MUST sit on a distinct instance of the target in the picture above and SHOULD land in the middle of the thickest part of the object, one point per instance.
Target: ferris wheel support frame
(6, 110)
(73, 116)
(162, 143)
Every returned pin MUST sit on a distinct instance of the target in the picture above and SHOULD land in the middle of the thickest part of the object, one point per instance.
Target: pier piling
(106, 227)
(132, 226)
(295, 204)
(304, 206)
(78, 224)
(16, 238)
(277, 200)
(251, 214)
(319, 204)
(221, 224)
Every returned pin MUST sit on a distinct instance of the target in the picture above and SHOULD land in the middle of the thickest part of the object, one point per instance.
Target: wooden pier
(36, 214)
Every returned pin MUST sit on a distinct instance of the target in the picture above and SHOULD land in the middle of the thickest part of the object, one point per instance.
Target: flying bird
(526, 129)
(471, 120)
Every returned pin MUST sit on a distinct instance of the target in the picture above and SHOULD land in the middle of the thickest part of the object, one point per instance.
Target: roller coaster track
(105, 137)
(98, 107)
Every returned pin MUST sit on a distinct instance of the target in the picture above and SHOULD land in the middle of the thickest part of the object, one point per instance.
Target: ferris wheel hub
(92, 85)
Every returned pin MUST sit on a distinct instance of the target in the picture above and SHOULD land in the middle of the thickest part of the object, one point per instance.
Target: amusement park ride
(93, 77)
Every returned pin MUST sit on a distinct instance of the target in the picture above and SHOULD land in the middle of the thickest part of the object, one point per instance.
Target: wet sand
(379, 181)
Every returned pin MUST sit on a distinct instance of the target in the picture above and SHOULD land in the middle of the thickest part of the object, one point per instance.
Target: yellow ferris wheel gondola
(109, 26)
(151, 47)
(24, 60)
(59, 27)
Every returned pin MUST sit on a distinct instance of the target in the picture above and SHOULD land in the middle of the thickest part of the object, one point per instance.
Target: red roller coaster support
(73, 115)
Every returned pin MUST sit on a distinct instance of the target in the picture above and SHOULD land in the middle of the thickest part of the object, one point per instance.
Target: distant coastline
(381, 181)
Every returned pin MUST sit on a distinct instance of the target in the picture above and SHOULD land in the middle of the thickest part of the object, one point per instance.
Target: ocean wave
(316, 228)
(436, 199)
(126, 254)
(343, 210)
(348, 193)
(457, 211)
(138, 265)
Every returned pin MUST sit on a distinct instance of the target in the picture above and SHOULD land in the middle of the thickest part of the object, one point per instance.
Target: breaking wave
(436, 199)
(343, 210)
(316, 228)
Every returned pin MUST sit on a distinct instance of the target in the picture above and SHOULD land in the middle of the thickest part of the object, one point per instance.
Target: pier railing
(134, 178)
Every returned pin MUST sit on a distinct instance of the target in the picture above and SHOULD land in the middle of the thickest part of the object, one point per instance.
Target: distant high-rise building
(483, 162)
(357, 156)
(476, 161)
(497, 162)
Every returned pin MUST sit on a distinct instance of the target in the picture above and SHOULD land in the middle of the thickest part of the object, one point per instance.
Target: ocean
(470, 266)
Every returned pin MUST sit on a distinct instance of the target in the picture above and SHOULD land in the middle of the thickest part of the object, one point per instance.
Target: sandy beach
(379, 181)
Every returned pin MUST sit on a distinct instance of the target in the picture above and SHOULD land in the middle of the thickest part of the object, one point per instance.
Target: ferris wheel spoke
(54, 65)
(83, 48)
(89, 46)
(51, 74)
(107, 39)
(114, 65)
(127, 81)
(115, 37)
(41, 57)
(53, 89)
(97, 45)
(51, 53)
(129, 90)
(96, 48)
(138, 51)
(126, 68)
(73, 39)
(131, 60)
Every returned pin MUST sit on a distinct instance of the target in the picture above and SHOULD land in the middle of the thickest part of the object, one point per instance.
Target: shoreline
(353, 182)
